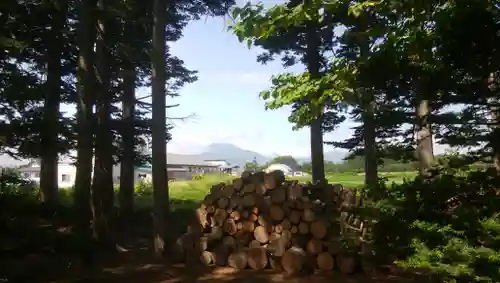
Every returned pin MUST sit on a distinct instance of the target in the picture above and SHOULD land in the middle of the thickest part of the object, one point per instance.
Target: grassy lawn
(356, 180)
(186, 194)
(194, 191)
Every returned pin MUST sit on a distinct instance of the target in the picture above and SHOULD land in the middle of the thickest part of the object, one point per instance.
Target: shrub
(144, 188)
(448, 224)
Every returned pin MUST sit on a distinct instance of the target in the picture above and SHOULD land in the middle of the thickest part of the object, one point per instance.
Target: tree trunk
(159, 162)
(52, 93)
(126, 194)
(495, 115)
(425, 151)
(369, 140)
(313, 60)
(86, 86)
(102, 183)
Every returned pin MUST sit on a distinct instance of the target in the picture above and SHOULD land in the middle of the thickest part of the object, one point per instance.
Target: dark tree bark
(313, 60)
(126, 194)
(86, 87)
(159, 162)
(425, 152)
(369, 139)
(102, 183)
(52, 99)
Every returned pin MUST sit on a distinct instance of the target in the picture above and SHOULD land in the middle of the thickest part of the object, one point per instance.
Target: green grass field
(196, 190)
(185, 194)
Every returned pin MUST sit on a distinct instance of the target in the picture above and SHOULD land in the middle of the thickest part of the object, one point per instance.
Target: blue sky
(225, 100)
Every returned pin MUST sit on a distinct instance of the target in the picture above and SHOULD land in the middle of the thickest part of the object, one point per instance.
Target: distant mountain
(238, 156)
(232, 154)
(333, 156)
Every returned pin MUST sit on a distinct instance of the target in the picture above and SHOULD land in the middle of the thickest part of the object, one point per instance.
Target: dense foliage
(412, 74)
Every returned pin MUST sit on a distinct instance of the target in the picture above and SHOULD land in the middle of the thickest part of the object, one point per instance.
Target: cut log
(294, 229)
(286, 224)
(347, 264)
(293, 260)
(230, 226)
(314, 246)
(202, 216)
(279, 246)
(275, 262)
(238, 260)
(220, 216)
(248, 200)
(260, 234)
(303, 228)
(325, 261)
(294, 217)
(318, 229)
(220, 255)
(257, 258)
(228, 190)
(211, 209)
(334, 247)
(229, 242)
(223, 202)
(278, 228)
(274, 179)
(243, 238)
(308, 215)
(207, 258)
(276, 212)
(248, 189)
(254, 244)
(253, 217)
(248, 226)
(201, 244)
(246, 174)
(238, 184)
(235, 215)
(216, 233)
(278, 195)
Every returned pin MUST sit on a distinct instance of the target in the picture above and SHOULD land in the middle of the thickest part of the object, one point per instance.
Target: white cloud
(192, 139)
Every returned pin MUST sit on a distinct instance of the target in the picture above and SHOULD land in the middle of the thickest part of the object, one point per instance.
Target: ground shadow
(38, 245)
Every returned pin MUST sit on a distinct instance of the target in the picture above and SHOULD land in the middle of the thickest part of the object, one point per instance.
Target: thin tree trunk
(126, 194)
(86, 87)
(368, 105)
(425, 150)
(369, 140)
(159, 162)
(49, 153)
(102, 184)
(313, 59)
(495, 115)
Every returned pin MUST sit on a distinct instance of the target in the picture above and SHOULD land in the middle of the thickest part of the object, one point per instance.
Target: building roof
(279, 166)
(182, 159)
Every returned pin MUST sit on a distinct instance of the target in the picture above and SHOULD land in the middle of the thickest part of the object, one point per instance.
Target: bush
(448, 224)
(144, 188)
(12, 184)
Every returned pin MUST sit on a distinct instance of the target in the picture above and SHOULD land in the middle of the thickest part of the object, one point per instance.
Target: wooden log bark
(238, 260)
(293, 260)
(257, 258)
(325, 261)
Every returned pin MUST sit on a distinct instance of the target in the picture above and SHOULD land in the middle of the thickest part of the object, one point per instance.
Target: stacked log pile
(261, 220)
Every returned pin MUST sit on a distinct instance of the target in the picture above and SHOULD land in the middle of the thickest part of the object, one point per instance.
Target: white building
(218, 162)
(278, 166)
(66, 173)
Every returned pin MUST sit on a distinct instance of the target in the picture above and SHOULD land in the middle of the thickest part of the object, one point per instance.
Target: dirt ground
(36, 250)
(137, 267)
(158, 273)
